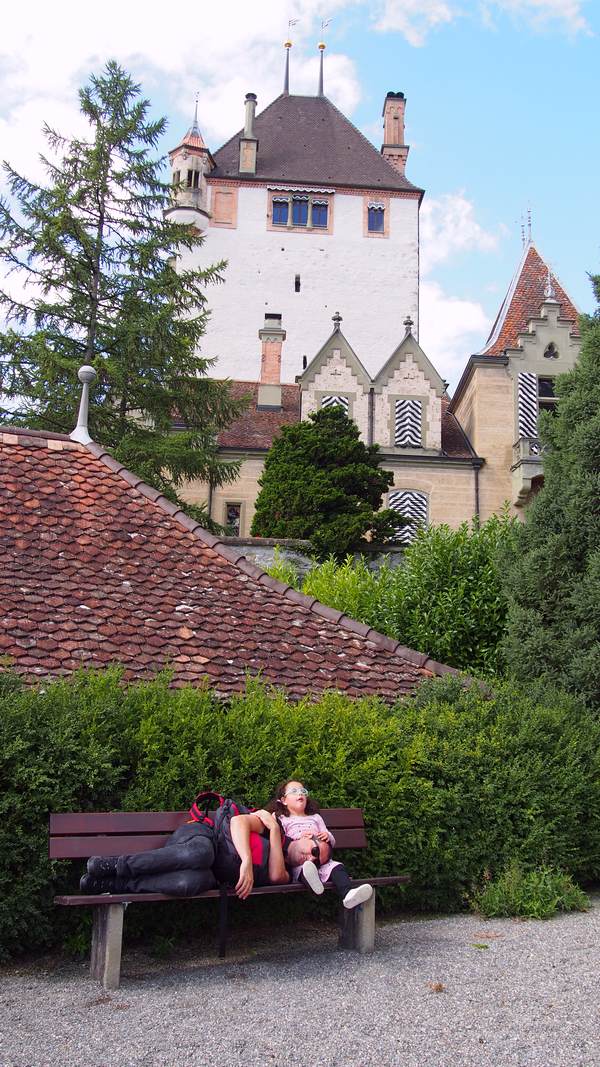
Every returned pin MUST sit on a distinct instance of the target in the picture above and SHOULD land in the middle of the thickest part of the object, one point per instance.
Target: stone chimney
(248, 140)
(393, 148)
(272, 337)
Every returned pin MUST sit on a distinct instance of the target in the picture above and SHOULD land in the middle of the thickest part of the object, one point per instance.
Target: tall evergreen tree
(322, 483)
(95, 261)
(553, 581)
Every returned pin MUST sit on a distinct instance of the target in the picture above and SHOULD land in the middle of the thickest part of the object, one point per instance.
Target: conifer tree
(553, 581)
(94, 259)
(322, 483)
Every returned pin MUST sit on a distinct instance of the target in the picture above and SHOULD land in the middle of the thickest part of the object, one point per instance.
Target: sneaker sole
(311, 875)
(359, 895)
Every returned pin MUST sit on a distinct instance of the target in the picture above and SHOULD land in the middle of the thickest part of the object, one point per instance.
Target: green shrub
(452, 783)
(445, 600)
(536, 894)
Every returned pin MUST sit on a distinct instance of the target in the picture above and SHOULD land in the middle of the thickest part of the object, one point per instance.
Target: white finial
(81, 433)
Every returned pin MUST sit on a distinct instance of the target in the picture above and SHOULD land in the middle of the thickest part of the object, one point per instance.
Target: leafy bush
(536, 894)
(452, 784)
(446, 599)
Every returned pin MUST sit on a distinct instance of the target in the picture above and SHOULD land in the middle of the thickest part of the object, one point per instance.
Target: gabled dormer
(408, 395)
(337, 376)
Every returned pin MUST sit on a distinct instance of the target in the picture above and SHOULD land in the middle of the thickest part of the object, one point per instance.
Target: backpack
(226, 867)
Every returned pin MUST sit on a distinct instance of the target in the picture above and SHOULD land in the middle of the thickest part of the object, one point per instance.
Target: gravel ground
(449, 992)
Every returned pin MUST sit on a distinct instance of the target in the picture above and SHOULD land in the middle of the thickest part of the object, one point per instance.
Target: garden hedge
(454, 784)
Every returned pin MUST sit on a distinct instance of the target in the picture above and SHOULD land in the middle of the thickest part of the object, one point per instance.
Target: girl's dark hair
(277, 806)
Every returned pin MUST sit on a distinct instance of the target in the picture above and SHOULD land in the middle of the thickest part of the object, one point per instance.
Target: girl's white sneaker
(358, 895)
(311, 876)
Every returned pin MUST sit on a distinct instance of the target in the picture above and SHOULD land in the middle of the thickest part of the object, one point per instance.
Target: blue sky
(500, 115)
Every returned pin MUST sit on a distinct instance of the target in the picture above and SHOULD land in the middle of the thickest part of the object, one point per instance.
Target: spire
(322, 48)
(194, 128)
(286, 80)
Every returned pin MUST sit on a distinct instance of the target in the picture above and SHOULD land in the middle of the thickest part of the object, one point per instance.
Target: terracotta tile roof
(523, 302)
(96, 567)
(306, 139)
(256, 428)
(455, 442)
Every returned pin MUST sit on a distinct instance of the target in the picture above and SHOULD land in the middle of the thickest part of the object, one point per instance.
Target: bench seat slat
(77, 823)
(148, 898)
(62, 848)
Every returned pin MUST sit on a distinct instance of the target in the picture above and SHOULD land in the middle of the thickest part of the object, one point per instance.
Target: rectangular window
(411, 505)
(335, 401)
(195, 180)
(407, 424)
(176, 177)
(190, 176)
(280, 212)
(233, 515)
(546, 396)
(300, 211)
(376, 221)
(319, 213)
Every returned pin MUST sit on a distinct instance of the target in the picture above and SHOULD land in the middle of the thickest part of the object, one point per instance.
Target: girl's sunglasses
(295, 792)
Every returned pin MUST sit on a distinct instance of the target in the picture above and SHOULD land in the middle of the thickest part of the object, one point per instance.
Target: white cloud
(413, 18)
(450, 329)
(448, 226)
(541, 14)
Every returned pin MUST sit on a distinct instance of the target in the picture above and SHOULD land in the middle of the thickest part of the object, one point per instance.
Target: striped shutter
(407, 424)
(528, 404)
(333, 401)
(410, 504)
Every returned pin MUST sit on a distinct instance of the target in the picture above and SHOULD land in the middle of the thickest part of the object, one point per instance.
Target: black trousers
(339, 878)
(180, 869)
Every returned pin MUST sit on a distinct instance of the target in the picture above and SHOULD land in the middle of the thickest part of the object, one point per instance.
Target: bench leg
(358, 927)
(223, 903)
(107, 938)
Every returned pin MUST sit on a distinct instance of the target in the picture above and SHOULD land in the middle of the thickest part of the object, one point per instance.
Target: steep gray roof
(306, 139)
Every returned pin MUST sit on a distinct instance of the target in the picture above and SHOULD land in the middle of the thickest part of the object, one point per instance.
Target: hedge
(454, 785)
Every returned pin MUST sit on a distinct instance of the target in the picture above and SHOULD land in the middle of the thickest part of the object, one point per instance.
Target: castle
(321, 235)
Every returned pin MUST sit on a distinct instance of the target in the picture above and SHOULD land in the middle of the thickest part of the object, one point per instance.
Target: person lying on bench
(183, 867)
(309, 844)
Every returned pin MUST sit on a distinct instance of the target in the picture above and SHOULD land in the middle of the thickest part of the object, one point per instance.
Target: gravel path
(450, 992)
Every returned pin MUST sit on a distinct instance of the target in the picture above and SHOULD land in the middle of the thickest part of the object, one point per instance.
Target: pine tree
(95, 259)
(322, 483)
(553, 580)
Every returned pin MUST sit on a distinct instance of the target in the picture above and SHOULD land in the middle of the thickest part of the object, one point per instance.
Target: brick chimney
(272, 337)
(248, 140)
(393, 148)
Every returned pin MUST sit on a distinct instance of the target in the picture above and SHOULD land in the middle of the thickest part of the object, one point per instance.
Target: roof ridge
(423, 663)
(41, 436)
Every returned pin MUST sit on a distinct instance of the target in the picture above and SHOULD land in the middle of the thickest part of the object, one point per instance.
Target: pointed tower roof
(527, 292)
(193, 138)
(306, 139)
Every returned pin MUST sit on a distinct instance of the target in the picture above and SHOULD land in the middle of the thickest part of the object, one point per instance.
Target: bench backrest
(78, 835)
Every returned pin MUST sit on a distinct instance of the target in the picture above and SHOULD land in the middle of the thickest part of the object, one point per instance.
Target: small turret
(191, 161)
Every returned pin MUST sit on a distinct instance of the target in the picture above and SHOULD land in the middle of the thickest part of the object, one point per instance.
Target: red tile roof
(96, 568)
(306, 139)
(256, 428)
(523, 302)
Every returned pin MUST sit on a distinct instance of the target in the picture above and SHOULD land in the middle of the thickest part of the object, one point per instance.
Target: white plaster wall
(372, 282)
(408, 380)
(336, 378)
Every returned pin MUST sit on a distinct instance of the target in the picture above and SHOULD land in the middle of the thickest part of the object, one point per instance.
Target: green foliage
(452, 784)
(536, 894)
(322, 483)
(283, 569)
(553, 567)
(445, 599)
(95, 258)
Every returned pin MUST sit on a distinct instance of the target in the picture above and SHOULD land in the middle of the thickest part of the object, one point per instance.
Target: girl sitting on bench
(309, 845)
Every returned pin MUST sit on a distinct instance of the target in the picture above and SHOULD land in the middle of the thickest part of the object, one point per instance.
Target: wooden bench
(79, 835)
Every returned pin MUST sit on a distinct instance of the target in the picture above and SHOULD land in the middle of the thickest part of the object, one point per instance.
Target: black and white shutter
(407, 424)
(335, 401)
(528, 404)
(410, 504)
